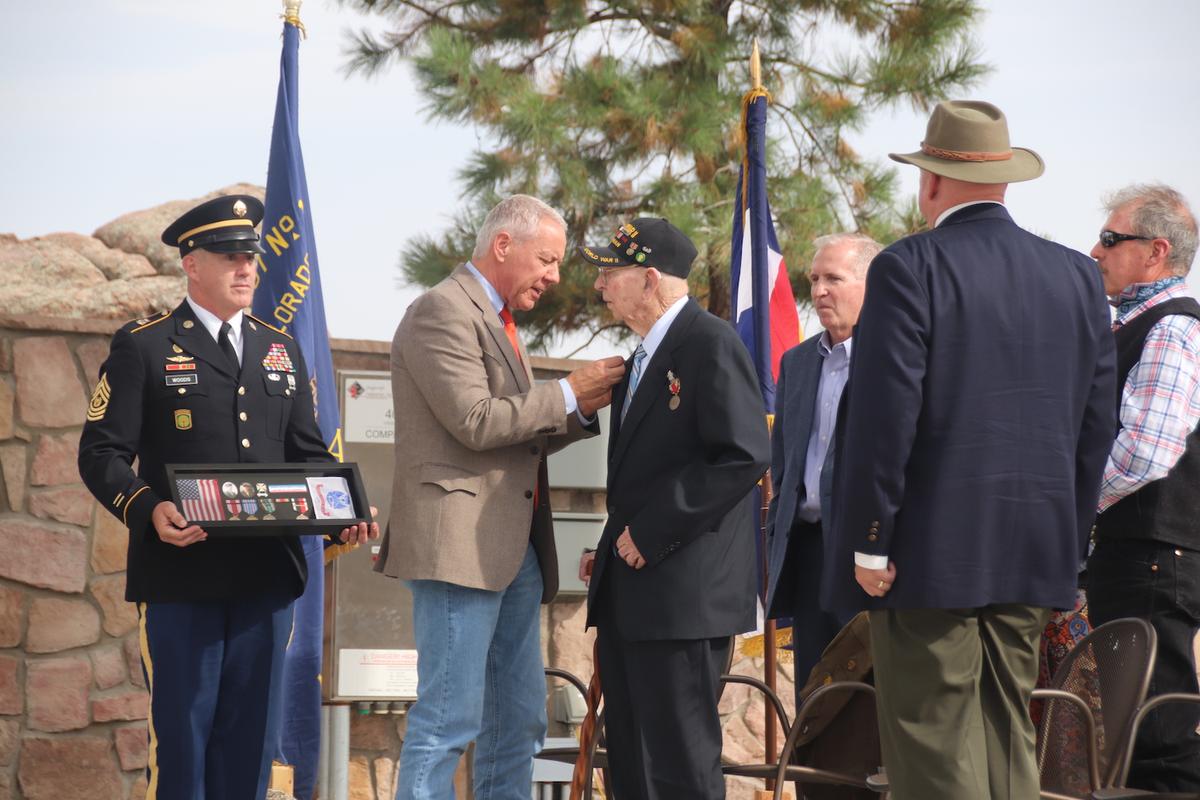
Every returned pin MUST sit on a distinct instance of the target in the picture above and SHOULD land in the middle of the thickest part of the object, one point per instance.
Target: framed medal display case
(269, 499)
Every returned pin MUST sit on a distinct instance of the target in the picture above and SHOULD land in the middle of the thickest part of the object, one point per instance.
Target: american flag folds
(201, 500)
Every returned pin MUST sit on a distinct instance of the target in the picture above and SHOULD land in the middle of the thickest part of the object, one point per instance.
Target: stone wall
(73, 702)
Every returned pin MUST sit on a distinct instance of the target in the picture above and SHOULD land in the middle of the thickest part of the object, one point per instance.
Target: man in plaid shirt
(1146, 560)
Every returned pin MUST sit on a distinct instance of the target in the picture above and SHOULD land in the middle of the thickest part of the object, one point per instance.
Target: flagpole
(769, 648)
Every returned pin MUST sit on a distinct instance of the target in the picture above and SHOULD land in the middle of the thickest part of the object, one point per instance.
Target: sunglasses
(1112, 238)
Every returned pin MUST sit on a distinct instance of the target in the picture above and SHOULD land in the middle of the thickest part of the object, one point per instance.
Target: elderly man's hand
(594, 380)
(628, 551)
(586, 562)
(875, 582)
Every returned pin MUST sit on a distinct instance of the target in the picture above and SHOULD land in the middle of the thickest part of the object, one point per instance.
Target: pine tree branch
(828, 159)
(841, 80)
(595, 332)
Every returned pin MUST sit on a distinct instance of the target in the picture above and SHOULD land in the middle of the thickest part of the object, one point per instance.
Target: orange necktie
(510, 330)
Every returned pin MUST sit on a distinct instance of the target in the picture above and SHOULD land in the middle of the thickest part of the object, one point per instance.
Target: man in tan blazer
(470, 527)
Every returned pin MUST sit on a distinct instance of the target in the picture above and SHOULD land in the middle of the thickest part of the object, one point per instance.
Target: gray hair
(864, 248)
(1159, 212)
(519, 216)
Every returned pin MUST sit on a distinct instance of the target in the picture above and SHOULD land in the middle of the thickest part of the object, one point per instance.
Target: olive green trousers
(953, 700)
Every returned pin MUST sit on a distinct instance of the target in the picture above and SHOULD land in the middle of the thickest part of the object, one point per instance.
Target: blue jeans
(479, 678)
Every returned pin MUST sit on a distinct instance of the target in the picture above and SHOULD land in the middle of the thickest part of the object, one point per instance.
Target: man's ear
(1160, 251)
(653, 279)
(188, 263)
(934, 186)
(501, 245)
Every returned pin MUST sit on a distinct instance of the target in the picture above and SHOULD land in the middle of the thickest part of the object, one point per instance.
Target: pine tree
(608, 110)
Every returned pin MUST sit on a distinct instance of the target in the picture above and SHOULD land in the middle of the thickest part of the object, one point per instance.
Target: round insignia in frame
(246, 489)
(239, 209)
(273, 376)
(187, 323)
(229, 489)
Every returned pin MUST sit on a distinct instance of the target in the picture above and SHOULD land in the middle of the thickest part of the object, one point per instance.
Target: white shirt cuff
(868, 561)
(568, 395)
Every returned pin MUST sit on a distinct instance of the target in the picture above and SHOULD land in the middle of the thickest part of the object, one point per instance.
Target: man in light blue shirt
(812, 376)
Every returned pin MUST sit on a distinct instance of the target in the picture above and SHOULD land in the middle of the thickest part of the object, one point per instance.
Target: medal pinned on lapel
(673, 387)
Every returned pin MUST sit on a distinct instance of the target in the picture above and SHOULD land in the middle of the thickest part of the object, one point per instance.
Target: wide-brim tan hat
(968, 140)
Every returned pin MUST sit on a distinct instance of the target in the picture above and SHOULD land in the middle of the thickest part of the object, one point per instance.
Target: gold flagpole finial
(755, 66)
(291, 15)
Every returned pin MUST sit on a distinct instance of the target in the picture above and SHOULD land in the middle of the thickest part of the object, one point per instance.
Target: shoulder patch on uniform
(142, 324)
(268, 325)
(99, 403)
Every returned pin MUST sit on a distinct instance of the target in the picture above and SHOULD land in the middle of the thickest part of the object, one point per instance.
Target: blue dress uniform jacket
(978, 417)
(142, 410)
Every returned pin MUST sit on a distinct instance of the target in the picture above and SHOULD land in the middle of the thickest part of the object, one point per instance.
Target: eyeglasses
(1112, 238)
(605, 272)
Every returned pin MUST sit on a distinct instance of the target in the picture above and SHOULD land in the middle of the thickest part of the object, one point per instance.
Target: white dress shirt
(212, 324)
(658, 330)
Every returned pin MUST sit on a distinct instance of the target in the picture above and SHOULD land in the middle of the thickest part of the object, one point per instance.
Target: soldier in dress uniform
(205, 383)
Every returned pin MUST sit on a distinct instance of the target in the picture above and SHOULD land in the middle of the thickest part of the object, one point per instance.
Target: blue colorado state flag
(289, 297)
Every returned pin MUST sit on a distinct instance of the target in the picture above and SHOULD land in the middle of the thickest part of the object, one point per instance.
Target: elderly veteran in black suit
(812, 376)
(205, 383)
(978, 418)
(673, 577)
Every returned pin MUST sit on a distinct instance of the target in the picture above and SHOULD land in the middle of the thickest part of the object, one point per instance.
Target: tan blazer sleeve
(464, 384)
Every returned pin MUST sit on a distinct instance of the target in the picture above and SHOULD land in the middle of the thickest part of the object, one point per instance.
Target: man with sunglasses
(1146, 560)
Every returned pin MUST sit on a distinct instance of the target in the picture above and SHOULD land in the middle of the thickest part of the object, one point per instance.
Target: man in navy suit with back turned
(978, 417)
(812, 376)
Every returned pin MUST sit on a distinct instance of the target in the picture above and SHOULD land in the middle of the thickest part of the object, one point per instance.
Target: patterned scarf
(1135, 294)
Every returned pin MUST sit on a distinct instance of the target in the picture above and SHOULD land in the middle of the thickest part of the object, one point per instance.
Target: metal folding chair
(1090, 707)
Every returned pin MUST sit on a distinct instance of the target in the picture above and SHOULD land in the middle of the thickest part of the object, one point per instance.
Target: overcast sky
(109, 106)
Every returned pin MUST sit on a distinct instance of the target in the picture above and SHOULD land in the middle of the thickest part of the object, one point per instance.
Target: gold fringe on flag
(291, 15)
(754, 645)
(750, 96)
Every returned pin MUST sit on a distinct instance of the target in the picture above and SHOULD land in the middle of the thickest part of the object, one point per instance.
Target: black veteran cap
(645, 242)
(222, 225)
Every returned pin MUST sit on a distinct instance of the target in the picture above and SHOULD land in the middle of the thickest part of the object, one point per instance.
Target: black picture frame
(272, 475)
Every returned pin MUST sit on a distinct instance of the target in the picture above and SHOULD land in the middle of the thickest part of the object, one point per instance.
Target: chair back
(1109, 670)
(835, 743)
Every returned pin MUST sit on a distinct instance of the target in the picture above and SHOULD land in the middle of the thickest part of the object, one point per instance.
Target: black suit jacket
(795, 414)
(227, 419)
(681, 480)
(978, 418)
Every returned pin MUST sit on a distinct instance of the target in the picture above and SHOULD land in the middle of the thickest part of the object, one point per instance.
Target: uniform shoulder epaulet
(268, 325)
(134, 326)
